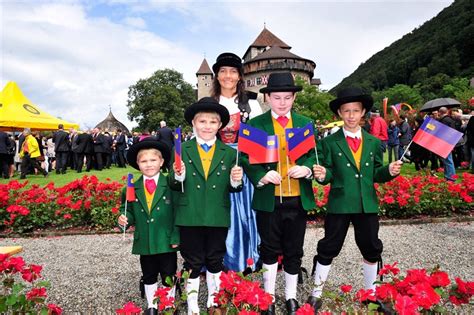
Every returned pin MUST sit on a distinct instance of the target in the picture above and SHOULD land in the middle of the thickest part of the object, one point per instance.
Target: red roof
(267, 38)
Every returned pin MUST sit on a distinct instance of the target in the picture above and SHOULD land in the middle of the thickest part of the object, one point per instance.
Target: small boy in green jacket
(156, 237)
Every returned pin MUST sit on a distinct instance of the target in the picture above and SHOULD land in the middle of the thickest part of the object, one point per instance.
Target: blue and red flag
(437, 137)
(177, 148)
(299, 141)
(130, 193)
(252, 141)
(271, 152)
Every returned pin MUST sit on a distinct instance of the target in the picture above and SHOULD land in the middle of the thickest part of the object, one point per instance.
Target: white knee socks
(213, 283)
(291, 282)
(193, 285)
(320, 277)
(370, 275)
(150, 290)
(269, 278)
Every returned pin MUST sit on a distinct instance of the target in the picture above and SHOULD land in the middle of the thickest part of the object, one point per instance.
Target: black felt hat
(148, 143)
(227, 59)
(207, 104)
(281, 82)
(349, 95)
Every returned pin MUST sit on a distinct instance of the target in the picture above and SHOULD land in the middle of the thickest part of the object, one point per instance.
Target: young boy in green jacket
(156, 236)
(207, 174)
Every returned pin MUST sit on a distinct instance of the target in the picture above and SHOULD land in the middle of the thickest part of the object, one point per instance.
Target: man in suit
(4, 147)
(166, 135)
(120, 143)
(99, 148)
(61, 148)
(283, 192)
(85, 147)
(351, 162)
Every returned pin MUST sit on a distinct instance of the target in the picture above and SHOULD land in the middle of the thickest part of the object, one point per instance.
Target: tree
(163, 96)
(399, 93)
(313, 103)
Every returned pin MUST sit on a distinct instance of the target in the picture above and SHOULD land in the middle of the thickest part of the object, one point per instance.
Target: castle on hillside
(265, 55)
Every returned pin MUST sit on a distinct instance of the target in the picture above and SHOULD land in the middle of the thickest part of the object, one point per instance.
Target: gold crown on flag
(430, 127)
(246, 132)
(271, 142)
(176, 136)
(290, 135)
(306, 132)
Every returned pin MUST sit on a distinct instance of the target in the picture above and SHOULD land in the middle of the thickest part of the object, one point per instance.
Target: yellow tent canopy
(333, 124)
(18, 112)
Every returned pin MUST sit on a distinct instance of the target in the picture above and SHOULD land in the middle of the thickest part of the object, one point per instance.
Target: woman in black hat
(228, 90)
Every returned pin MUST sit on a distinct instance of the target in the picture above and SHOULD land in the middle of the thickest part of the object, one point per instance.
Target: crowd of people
(396, 135)
(37, 152)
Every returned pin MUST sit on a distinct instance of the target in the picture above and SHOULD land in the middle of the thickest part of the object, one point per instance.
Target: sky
(76, 59)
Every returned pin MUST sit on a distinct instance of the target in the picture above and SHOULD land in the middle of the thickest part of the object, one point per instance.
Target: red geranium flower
(346, 288)
(54, 309)
(249, 262)
(365, 295)
(36, 293)
(389, 269)
(306, 309)
(424, 295)
(439, 279)
(129, 309)
(404, 305)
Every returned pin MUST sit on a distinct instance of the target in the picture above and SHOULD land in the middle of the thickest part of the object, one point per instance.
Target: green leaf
(11, 300)
(373, 307)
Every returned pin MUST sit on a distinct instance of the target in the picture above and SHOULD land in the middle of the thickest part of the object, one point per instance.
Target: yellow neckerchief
(283, 166)
(149, 197)
(358, 154)
(206, 158)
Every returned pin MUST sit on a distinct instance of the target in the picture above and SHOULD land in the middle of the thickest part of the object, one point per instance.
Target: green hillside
(435, 53)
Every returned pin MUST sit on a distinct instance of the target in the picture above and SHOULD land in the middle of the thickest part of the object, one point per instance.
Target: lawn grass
(116, 174)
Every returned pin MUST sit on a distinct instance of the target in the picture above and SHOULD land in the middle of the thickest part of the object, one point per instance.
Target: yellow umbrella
(18, 112)
(334, 124)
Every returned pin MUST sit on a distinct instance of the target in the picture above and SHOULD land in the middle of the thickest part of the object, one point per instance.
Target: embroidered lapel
(159, 191)
(140, 192)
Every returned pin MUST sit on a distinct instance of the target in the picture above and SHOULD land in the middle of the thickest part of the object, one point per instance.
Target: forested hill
(443, 45)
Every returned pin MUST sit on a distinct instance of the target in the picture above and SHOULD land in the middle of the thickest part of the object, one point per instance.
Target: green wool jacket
(204, 202)
(264, 196)
(155, 231)
(352, 191)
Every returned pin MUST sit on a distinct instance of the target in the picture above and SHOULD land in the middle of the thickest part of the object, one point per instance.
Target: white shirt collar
(155, 178)
(209, 143)
(288, 115)
(357, 134)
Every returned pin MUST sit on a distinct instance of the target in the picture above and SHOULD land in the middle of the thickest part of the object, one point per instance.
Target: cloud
(75, 66)
(75, 58)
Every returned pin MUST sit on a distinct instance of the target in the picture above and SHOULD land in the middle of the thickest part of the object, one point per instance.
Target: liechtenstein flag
(299, 141)
(130, 193)
(437, 137)
(271, 152)
(177, 148)
(252, 141)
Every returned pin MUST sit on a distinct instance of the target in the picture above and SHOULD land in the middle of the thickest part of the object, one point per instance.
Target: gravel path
(94, 274)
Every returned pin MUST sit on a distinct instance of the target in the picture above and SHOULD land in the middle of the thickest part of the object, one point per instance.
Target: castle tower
(204, 80)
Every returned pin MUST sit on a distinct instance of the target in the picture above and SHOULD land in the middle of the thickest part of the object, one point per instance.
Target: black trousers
(4, 165)
(282, 232)
(163, 264)
(61, 161)
(366, 229)
(203, 246)
(26, 162)
(98, 161)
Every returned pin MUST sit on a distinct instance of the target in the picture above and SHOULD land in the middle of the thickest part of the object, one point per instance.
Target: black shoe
(316, 303)
(58, 172)
(292, 306)
(270, 311)
(151, 311)
(46, 174)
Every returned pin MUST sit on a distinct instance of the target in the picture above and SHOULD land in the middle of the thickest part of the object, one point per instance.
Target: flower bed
(21, 290)
(406, 197)
(82, 202)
